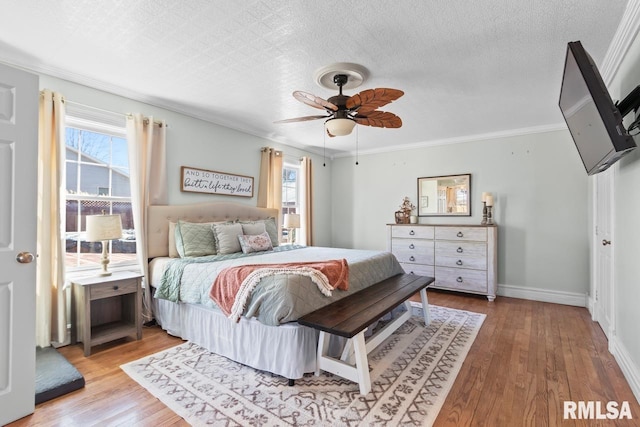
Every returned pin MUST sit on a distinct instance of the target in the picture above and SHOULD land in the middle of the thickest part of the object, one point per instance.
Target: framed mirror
(448, 195)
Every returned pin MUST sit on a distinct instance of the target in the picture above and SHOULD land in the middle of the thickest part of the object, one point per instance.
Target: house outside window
(97, 180)
(290, 193)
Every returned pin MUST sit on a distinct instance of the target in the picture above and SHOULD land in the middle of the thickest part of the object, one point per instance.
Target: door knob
(606, 242)
(24, 257)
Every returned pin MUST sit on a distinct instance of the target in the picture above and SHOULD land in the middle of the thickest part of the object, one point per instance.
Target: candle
(484, 196)
(489, 200)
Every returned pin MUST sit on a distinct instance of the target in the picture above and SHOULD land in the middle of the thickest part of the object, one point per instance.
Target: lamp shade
(339, 127)
(103, 227)
(291, 220)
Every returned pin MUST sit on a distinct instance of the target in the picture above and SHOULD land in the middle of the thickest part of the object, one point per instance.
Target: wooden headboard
(159, 217)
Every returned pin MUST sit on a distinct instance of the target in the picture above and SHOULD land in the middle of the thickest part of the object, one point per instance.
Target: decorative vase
(402, 218)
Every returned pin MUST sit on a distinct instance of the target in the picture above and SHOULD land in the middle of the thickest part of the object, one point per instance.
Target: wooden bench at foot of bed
(350, 317)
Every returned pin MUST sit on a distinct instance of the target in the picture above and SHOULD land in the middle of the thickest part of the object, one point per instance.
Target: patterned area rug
(411, 374)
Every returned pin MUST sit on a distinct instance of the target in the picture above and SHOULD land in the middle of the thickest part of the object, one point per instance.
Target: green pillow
(194, 239)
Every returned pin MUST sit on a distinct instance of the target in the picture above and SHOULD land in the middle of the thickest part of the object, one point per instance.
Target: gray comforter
(281, 298)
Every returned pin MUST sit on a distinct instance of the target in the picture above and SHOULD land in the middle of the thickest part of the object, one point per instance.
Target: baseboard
(544, 295)
(629, 369)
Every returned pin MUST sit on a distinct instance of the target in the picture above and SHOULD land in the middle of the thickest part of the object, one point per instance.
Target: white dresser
(461, 258)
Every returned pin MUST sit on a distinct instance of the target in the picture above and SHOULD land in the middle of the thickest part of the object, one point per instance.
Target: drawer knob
(459, 250)
(411, 246)
(412, 258)
(460, 234)
(459, 279)
(459, 262)
(412, 233)
(115, 287)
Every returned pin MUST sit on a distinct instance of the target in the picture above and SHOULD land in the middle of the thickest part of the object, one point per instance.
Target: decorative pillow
(194, 239)
(253, 228)
(255, 243)
(226, 237)
(173, 250)
(270, 227)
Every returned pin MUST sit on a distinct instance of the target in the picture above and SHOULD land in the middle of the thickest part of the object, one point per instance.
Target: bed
(266, 336)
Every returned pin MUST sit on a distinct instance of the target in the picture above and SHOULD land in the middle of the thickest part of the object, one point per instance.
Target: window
(290, 192)
(97, 175)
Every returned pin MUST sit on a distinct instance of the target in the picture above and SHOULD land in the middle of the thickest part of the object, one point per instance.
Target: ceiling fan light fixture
(339, 127)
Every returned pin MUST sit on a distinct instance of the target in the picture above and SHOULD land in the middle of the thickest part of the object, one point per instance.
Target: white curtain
(146, 139)
(270, 185)
(51, 315)
(306, 198)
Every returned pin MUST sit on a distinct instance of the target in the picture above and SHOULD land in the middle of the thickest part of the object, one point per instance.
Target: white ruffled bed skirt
(288, 350)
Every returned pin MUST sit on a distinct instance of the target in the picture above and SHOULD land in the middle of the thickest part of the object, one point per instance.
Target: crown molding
(622, 40)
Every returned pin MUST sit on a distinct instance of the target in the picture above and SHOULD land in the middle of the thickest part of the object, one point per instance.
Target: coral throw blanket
(233, 286)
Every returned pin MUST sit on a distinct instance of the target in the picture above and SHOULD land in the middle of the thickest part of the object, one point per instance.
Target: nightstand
(106, 308)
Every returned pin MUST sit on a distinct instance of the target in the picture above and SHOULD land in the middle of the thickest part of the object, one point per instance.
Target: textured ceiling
(468, 68)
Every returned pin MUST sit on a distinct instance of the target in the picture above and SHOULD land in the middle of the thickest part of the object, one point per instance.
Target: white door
(18, 187)
(603, 298)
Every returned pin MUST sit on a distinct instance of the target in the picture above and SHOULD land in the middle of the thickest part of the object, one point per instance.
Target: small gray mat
(55, 376)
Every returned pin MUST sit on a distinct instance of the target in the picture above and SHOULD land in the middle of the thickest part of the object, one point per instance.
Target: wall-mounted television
(594, 121)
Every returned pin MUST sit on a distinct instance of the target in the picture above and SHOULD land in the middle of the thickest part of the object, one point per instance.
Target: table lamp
(291, 222)
(102, 228)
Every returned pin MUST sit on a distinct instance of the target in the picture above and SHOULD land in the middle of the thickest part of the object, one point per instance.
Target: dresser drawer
(110, 289)
(461, 262)
(461, 233)
(418, 232)
(413, 250)
(461, 254)
(419, 269)
(461, 279)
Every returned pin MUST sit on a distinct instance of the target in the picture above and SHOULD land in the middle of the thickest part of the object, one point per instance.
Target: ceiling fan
(343, 112)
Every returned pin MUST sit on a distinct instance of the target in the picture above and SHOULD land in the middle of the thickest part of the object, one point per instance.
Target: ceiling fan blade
(371, 99)
(302, 119)
(314, 101)
(380, 119)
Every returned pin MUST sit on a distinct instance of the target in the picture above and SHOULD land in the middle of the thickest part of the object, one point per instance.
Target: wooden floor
(528, 358)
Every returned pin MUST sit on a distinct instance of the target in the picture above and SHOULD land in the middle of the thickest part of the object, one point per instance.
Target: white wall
(626, 238)
(540, 189)
(201, 144)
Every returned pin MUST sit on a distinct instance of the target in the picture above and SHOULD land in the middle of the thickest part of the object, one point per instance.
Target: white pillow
(226, 237)
(173, 250)
(255, 243)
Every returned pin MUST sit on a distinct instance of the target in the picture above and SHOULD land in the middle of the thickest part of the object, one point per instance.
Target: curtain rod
(146, 120)
(126, 116)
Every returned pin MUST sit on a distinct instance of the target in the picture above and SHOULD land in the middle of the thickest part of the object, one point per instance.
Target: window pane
(120, 186)
(94, 179)
(72, 138)
(81, 253)
(120, 153)
(72, 177)
(95, 147)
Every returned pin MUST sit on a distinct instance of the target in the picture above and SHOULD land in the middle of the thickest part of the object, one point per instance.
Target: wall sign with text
(213, 182)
